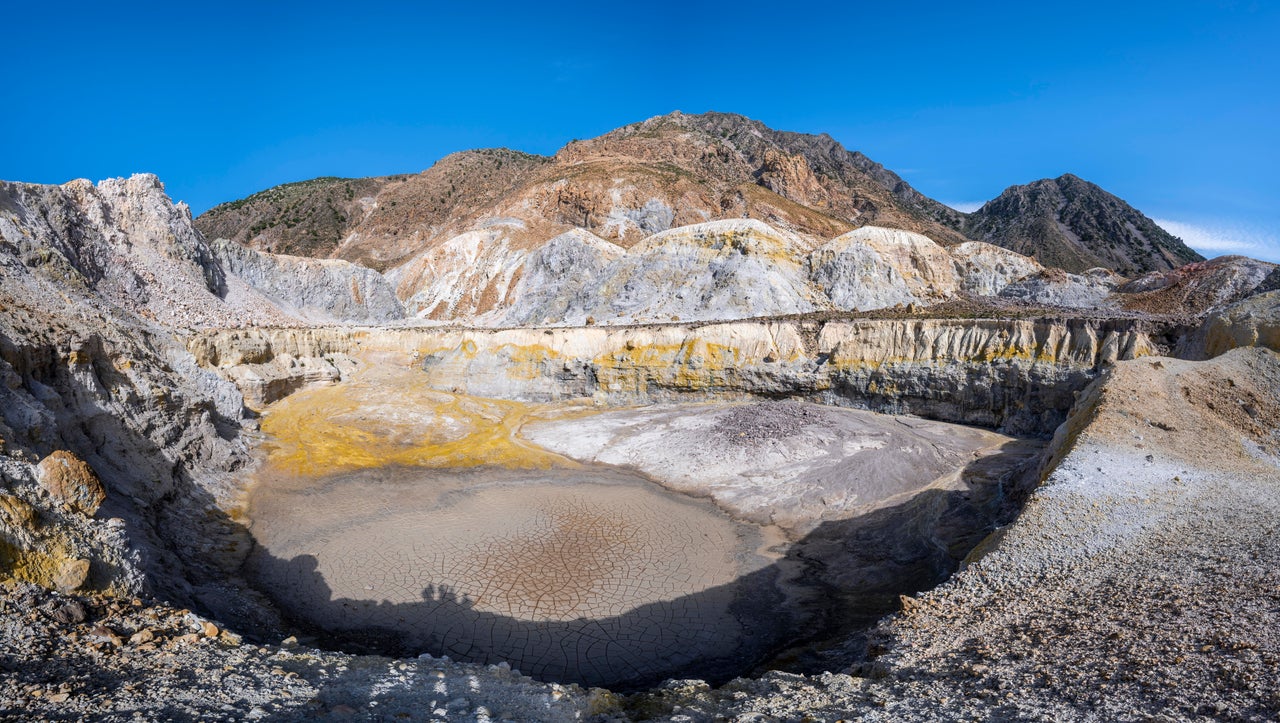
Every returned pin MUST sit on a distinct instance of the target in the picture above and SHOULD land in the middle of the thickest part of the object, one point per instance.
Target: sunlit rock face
(1016, 375)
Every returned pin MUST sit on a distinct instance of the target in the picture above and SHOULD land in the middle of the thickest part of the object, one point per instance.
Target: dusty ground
(787, 463)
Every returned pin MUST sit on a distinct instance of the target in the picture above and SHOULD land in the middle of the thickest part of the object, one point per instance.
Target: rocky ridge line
(469, 222)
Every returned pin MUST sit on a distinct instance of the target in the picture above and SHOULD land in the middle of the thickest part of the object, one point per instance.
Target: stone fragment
(141, 637)
(16, 513)
(71, 481)
(69, 612)
(71, 575)
(104, 634)
(209, 629)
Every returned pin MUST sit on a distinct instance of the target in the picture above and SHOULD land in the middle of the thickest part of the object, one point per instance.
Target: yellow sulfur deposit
(389, 416)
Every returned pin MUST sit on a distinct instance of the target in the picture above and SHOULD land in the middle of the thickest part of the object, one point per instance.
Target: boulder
(71, 481)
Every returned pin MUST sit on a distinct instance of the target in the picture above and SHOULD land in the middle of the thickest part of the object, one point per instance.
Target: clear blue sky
(1175, 107)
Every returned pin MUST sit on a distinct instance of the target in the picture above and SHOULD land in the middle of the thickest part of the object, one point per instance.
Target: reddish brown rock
(71, 575)
(71, 481)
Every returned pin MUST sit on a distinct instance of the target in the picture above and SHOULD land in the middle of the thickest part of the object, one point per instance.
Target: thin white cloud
(1224, 238)
(964, 206)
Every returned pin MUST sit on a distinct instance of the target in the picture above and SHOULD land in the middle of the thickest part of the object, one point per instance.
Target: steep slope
(323, 290)
(813, 171)
(373, 221)
(671, 170)
(1071, 224)
(126, 242)
(1196, 288)
(308, 218)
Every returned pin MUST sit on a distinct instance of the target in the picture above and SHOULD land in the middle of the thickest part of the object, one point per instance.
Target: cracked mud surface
(596, 576)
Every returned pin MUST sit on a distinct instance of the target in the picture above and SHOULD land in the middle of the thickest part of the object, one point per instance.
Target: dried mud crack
(595, 577)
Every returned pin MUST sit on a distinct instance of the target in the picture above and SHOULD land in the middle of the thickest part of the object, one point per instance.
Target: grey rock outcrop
(559, 279)
(125, 241)
(325, 290)
(1054, 287)
(987, 270)
(161, 434)
(855, 276)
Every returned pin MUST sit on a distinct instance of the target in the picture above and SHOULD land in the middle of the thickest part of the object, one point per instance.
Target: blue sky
(1172, 106)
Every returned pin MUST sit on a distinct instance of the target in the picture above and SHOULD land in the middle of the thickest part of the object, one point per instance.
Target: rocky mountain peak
(1070, 223)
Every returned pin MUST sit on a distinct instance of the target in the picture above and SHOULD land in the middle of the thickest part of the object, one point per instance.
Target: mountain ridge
(675, 170)
(456, 239)
(1072, 224)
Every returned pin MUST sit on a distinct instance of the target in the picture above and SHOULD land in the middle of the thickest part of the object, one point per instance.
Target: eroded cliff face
(1016, 375)
(323, 290)
(125, 241)
(149, 444)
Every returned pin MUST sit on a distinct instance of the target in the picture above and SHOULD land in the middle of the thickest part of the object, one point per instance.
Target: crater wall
(1017, 375)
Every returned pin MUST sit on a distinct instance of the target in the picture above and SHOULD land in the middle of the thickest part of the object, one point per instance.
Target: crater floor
(605, 547)
(594, 576)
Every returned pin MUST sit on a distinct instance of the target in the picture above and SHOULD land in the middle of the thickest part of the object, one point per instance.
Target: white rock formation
(466, 276)
(320, 290)
(559, 279)
(986, 269)
(714, 270)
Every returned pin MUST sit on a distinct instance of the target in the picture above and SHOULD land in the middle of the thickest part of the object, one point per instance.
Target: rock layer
(1016, 375)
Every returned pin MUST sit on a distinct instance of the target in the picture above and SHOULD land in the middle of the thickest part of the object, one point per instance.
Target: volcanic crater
(607, 545)
(696, 420)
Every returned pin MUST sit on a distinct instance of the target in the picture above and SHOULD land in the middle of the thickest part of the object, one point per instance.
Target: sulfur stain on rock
(71, 481)
(16, 514)
(391, 416)
(49, 565)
